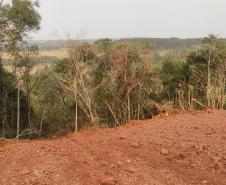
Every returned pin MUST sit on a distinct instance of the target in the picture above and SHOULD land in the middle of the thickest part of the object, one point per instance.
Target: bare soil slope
(182, 149)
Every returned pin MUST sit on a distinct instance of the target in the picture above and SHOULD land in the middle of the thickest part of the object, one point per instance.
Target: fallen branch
(4, 139)
(22, 134)
(112, 112)
(30, 133)
(199, 103)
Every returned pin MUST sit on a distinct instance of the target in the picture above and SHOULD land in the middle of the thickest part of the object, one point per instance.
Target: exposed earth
(182, 149)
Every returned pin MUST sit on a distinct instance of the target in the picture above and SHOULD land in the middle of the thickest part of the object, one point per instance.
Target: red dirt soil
(182, 149)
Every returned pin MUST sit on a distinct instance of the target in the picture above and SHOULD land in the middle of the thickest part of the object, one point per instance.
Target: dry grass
(36, 69)
(62, 53)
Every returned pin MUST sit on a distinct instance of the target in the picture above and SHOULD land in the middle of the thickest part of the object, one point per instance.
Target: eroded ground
(181, 149)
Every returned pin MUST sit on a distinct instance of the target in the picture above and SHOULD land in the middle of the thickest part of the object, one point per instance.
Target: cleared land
(182, 149)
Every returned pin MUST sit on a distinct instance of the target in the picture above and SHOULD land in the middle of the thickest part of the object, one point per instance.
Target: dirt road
(181, 149)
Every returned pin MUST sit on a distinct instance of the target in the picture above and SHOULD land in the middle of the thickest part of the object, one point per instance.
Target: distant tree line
(155, 43)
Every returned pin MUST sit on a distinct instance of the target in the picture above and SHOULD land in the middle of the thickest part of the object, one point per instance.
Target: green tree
(175, 76)
(17, 19)
(208, 69)
(127, 86)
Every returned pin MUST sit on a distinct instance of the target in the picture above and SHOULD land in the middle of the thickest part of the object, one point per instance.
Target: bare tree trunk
(208, 80)
(223, 85)
(76, 116)
(181, 99)
(29, 110)
(129, 111)
(113, 114)
(76, 106)
(192, 96)
(189, 96)
(138, 110)
(18, 111)
(4, 115)
(41, 123)
(91, 114)
(223, 94)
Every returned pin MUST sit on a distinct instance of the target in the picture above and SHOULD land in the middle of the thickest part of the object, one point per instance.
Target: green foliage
(209, 71)
(125, 88)
(173, 74)
(49, 107)
(104, 64)
(8, 104)
(23, 15)
(16, 20)
(109, 83)
(104, 44)
(62, 66)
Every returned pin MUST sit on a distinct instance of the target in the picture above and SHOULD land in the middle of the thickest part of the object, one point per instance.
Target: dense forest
(103, 83)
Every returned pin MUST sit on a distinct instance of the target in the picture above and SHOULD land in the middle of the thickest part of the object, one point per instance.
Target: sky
(131, 18)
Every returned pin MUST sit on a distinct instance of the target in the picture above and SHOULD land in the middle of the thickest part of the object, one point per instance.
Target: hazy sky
(131, 18)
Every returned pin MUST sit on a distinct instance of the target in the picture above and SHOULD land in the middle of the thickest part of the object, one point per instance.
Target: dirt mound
(185, 149)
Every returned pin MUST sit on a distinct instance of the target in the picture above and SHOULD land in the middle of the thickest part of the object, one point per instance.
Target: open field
(180, 149)
(61, 53)
(36, 69)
